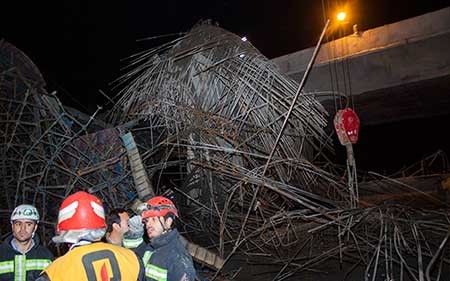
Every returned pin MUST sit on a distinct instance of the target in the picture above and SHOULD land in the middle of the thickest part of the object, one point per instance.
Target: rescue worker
(166, 258)
(21, 255)
(81, 223)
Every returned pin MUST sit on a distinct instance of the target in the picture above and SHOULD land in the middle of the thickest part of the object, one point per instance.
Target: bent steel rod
(297, 94)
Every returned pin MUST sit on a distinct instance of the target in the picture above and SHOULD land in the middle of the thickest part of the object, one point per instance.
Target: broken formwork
(67, 151)
(209, 109)
(49, 151)
(20, 83)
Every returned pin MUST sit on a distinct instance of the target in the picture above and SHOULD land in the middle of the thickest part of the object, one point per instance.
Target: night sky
(79, 45)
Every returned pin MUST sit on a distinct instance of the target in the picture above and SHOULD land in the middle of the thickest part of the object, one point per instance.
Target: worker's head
(117, 221)
(159, 216)
(81, 217)
(24, 222)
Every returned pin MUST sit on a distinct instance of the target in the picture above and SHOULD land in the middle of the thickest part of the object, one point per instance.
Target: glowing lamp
(341, 16)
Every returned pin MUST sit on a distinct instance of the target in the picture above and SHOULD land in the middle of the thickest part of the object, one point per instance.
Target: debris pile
(197, 119)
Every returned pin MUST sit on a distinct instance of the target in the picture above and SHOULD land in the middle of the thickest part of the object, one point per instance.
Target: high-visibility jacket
(96, 262)
(15, 266)
(166, 259)
(138, 245)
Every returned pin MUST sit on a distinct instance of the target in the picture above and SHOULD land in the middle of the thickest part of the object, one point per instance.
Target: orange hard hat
(80, 211)
(159, 206)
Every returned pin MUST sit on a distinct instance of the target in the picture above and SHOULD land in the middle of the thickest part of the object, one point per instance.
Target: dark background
(78, 45)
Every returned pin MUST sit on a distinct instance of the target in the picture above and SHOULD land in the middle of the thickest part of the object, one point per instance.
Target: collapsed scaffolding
(205, 111)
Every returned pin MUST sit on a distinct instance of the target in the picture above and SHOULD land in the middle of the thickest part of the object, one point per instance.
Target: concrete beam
(406, 51)
(394, 56)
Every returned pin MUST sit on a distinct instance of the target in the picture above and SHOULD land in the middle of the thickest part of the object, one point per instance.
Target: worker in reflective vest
(22, 257)
(166, 258)
(81, 223)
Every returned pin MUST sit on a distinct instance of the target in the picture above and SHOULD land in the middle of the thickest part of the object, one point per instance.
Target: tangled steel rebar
(205, 112)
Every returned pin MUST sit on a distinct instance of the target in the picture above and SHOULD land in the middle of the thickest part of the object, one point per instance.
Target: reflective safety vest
(153, 271)
(138, 246)
(15, 266)
(20, 266)
(132, 243)
(166, 259)
(96, 261)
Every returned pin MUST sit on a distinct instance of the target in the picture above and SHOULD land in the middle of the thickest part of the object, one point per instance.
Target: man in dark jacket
(21, 255)
(166, 258)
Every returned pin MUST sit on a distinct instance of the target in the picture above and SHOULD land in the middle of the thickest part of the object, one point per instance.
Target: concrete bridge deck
(394, 72)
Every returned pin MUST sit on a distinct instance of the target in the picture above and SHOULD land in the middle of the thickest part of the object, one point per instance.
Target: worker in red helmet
(81, 223)
(166, 258)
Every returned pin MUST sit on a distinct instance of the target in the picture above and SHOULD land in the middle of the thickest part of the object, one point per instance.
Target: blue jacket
(15, 266)
(166, 259)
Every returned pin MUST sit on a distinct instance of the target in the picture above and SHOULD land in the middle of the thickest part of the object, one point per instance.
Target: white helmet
(25, 211)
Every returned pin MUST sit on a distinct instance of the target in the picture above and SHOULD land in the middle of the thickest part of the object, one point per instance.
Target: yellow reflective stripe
(155, 272)
(37, 264)
(6, 267)
(22, 265)
(132, 243)
(146, 257)
(19, 272)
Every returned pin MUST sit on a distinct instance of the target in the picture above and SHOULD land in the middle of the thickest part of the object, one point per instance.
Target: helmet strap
(34, 231)
(165, 230)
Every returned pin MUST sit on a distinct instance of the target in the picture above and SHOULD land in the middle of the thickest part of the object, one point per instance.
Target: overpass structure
(391, 73)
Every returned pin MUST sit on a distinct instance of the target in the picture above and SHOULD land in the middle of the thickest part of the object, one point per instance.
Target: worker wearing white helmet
(21, 256)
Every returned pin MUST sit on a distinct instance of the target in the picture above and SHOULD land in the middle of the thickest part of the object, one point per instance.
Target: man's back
(96, 261)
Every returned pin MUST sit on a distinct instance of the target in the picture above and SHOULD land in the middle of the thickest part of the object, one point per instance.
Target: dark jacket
(166, 258)
(13, 264)
(138, 246)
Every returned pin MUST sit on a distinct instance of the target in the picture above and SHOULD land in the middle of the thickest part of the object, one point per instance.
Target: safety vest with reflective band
(132, 243)
(166, 259)
(138, 246)
(96, 261)
(15, 266)
(21, 265)
(153, 271)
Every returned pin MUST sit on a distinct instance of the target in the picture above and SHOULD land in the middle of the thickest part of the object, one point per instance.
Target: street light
(341, 16)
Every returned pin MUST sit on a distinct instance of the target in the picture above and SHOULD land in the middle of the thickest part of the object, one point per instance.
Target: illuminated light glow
(341, 16)
(244, 39)
(241, 56)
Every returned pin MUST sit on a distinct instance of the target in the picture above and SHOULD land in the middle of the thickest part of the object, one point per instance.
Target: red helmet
(80, 211)
(159, 206)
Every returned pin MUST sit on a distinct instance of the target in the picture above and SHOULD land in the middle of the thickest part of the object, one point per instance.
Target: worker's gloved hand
(135, 228)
